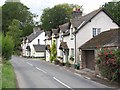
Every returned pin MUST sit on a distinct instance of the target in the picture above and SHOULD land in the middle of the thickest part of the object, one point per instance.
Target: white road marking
(41, 70)
(61, 82)
(78, 74)
(29, 64)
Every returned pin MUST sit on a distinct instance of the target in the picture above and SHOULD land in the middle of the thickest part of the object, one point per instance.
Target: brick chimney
(36, 29)
(76, 13)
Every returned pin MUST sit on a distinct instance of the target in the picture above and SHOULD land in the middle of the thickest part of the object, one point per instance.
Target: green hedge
(7, 47)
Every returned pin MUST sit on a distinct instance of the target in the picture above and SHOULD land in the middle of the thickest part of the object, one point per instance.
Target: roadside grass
(8, 75)
(0, 76)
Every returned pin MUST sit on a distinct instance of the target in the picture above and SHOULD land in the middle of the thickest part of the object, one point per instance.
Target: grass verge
(8, 76)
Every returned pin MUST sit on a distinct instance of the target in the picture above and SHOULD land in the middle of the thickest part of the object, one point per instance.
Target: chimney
(76, 13)
(36, 29)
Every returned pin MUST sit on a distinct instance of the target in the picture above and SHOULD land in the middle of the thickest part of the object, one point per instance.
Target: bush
(53, 54)
(109, 64)
(7, 47)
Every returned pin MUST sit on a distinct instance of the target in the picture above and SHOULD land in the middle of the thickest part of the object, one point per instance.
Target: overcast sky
(36, 6)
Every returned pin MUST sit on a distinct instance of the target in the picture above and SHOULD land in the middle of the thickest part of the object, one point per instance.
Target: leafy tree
(0, 19)
(15, 33)
(27, 29)
(7, 47)
(15, 10)
(12, 1)
(59, 14)
(114, 9)
(53, 54)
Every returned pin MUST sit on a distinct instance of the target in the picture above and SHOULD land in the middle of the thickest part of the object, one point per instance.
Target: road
(41, 74)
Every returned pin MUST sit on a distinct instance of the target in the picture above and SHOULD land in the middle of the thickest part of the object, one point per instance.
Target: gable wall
(100, 21)
(35, 41)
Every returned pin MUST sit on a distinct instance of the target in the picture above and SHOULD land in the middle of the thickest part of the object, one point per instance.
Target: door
(90, 59)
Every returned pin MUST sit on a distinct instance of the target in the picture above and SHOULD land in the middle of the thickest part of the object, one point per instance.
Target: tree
(15, 33)
(59, 14)
(0, 19)
(114, 9)
(15, 10)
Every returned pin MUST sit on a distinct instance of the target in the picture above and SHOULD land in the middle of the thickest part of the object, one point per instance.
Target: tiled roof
(48, 33)
(109, 38)
(83, 20)
(55, 32)
(63, 45)
(65, 28)
(32, 36)
(39, 48)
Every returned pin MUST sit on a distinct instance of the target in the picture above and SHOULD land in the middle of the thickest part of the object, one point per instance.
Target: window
(96, 31)
(61, 38)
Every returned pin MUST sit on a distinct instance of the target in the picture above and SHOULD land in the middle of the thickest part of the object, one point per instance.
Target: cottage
(48, 43)
(89, 51)
(29, 43)
(86, 27)
(65, 44)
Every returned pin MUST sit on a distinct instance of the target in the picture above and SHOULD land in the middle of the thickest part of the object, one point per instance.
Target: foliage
(8, 76)
(109, 63)
(15, 33)
(15, 10)
(7, 47)
(59, 14)
(0, 43)
(114, 9)
(53, 54)
(27, 29)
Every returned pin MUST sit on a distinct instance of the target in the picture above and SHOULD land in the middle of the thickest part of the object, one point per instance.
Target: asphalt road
(40, 74)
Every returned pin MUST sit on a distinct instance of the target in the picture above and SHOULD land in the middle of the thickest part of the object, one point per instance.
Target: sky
(37, 6)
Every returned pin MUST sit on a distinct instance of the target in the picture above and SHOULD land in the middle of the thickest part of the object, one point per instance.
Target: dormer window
(96, 31)
(61, 38)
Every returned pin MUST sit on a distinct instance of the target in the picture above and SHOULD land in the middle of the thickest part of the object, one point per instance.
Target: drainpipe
(75, 46)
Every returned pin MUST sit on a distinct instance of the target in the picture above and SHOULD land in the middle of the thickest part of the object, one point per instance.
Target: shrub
(53, 53)
(109, 63)
(7, 47)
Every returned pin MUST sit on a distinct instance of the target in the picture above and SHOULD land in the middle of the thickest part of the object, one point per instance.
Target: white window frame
(96, 31)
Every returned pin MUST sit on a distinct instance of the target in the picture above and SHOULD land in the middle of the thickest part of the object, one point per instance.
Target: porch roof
(39, 48)
(63, 45)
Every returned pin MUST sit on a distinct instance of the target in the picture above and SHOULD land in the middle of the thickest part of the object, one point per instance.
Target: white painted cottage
(34, 45)
(48, 44)
(86, 27)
